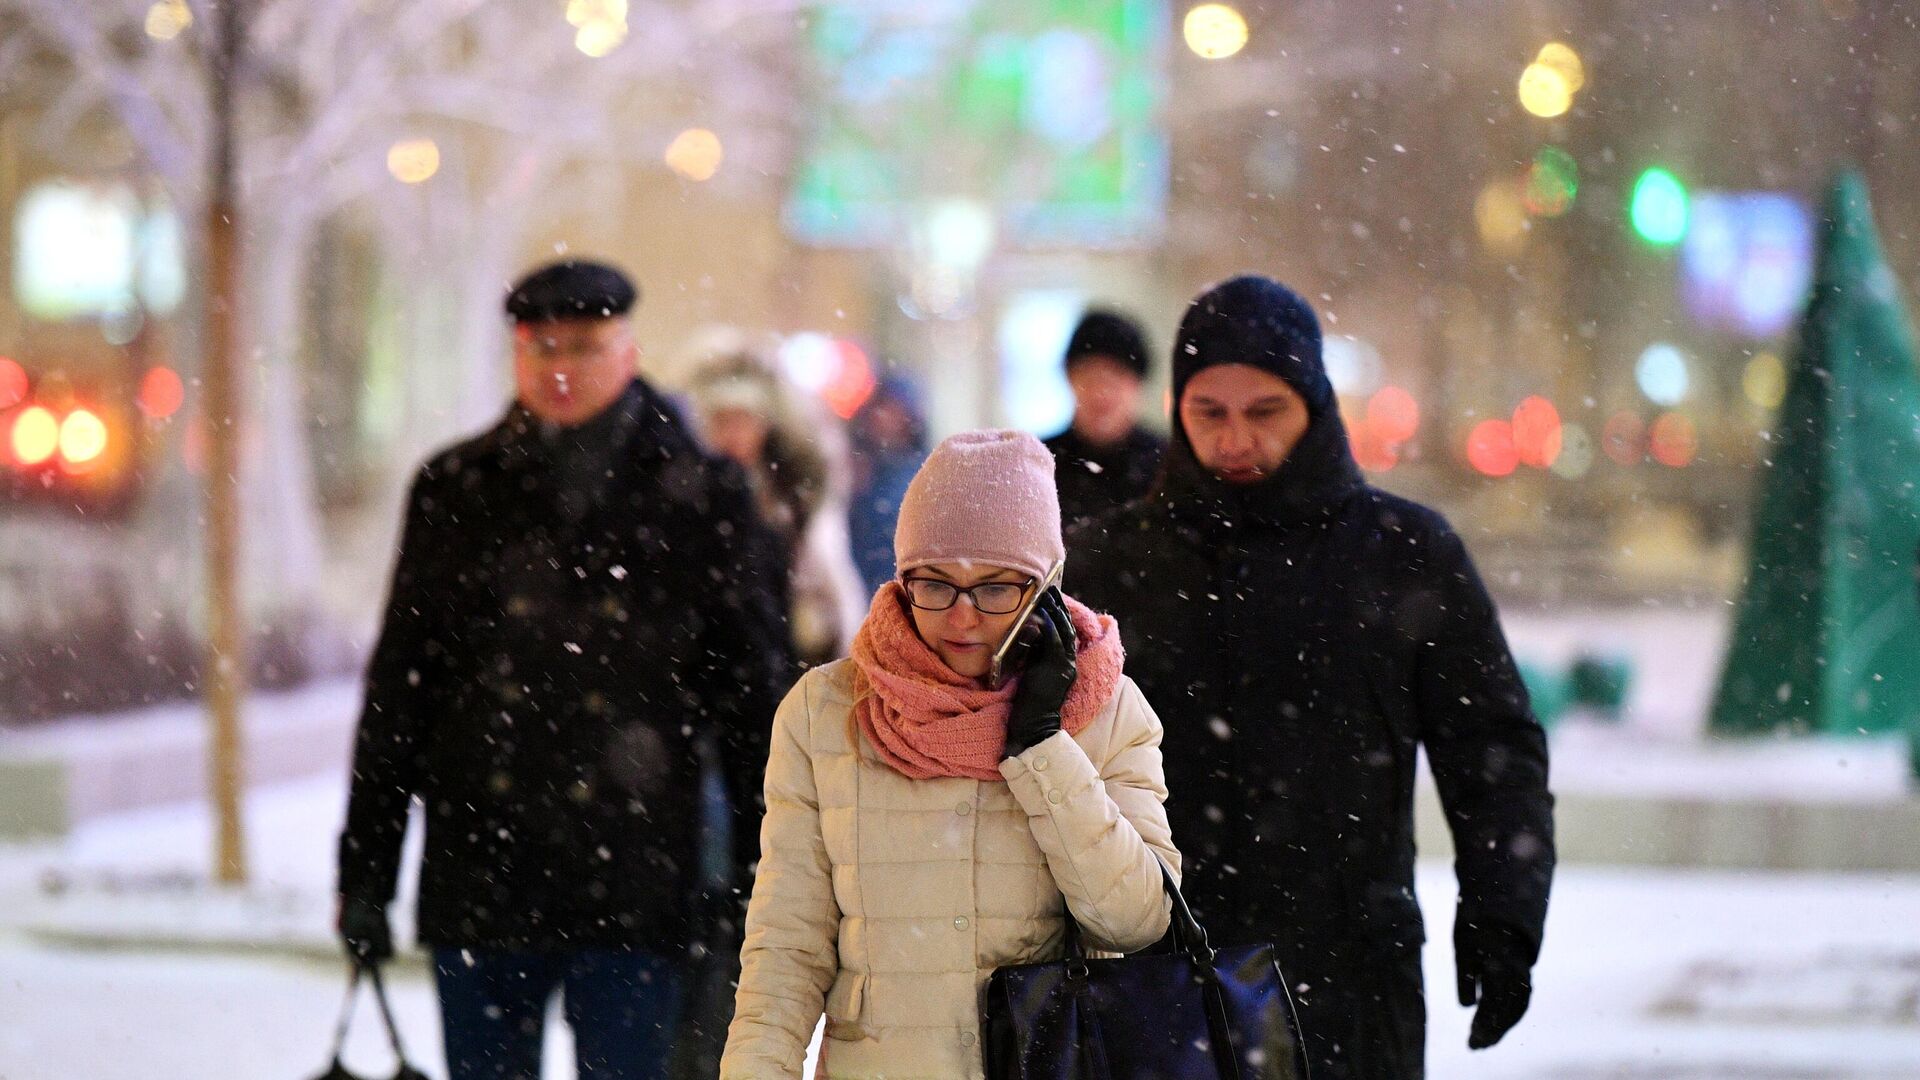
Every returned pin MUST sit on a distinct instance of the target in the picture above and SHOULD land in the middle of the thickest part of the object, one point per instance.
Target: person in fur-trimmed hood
(923, 827)
(1304, 634)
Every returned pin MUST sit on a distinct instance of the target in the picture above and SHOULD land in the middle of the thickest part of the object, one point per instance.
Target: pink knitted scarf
(927, 721)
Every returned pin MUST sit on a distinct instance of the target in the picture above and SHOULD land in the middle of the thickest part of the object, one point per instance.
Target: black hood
(1261, 323)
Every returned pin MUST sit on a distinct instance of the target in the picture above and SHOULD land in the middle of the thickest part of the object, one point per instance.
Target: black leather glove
(364, 929)
(1048, 676)
(1494, 966)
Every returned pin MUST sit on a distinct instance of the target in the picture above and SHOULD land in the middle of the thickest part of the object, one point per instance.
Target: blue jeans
(623, 1007)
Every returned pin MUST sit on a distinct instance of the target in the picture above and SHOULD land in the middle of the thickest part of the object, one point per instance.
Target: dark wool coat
(1302, 638)
(577, 617)
(1096, 479)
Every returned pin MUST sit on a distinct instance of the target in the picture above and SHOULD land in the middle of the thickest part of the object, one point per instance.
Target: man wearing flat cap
(581, 614)
(1104, 458)
(1304, 636)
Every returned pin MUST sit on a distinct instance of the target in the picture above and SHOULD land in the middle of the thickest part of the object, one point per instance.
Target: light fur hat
(982, 497)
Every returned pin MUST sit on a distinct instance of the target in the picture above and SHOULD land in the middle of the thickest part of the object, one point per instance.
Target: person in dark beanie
(583, 612)
(1303, 635)
(1104, 458)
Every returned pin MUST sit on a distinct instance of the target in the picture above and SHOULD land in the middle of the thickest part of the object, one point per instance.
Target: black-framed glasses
(988, 597)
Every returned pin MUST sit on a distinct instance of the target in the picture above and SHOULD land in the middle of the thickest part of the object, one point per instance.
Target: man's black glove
(363, 927)
(1048, 676)
(1494, 966)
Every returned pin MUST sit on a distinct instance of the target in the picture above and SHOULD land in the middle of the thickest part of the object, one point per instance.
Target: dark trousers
(623, 1007)
(1364, 1016)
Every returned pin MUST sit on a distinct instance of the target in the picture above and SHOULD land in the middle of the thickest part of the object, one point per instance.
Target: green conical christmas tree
(1827, 635)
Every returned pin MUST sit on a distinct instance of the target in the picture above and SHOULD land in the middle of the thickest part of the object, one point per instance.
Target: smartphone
(1001, 668)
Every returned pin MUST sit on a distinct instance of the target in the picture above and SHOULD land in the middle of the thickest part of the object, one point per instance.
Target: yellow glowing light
(584, 12)
(600, 37)
(695, 154)
(167, 18)
(1544, 91)
(1215, 31)
(82, 437)
(1501, 213)
(1765, 380)
(413, 161)
(1560, 57)
(36, 435)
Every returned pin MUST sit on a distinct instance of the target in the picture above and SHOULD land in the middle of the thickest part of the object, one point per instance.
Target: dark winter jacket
(574, 614)
(1301, 638)
(1096, 479)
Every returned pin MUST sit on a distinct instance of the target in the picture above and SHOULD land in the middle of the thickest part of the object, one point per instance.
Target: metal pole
(226, 667)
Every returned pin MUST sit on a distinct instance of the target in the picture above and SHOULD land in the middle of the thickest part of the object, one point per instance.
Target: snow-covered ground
(1647, 974)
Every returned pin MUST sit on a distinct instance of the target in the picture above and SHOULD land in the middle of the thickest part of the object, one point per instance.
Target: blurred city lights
(1552, 181)
(1659, 207)
(1624, 438)
(1371, 451)
(1490, 448)
(810, 360)
(1662, 374)
(695, 153)
(83, 437)
(166, 19)
(1501, 213)
(1576, 453)
(1353, 365)
(852, 383)
(13, 383)
(1393, 415)
(1215, 31)
(161, 393)
(413, 161)
(1560, 57)
(36, 435)
(1764, 380)
(600, 25)
(1673, 441)
(1545, 91)
(1536, 432)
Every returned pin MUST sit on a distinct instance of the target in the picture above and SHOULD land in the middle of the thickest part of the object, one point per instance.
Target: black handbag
(1197, 1012)
(403, 1070)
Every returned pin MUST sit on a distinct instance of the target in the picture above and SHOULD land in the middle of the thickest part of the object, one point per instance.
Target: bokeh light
(1624, 438)
(1764, 381)
(1536, 432)
(1215, 31)
(1490, 448)
(1393, 415)
(1372, 451)
(1672, 441)
(413, 161)
(83, 437)
(1662, 374)
(161, 393)
(35, 436)
(1659, 207)
(1544, 91)
(600, 25)
(695, 153)
(1559, 56)
(1500, 211)
(853, 380)
(167, 19)
(1576, 453)
(1553, 179)
(13, 383)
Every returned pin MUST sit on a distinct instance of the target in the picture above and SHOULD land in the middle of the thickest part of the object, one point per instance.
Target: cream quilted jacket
(886, 902)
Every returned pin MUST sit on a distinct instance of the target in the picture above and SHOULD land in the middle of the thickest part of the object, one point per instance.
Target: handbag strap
(372, 972)
(1188, 935)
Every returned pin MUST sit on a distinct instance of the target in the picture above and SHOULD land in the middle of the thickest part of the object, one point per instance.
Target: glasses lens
(998, 598)
(931, 595)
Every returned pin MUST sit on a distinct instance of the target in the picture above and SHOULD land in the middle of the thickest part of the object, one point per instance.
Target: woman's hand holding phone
(1048, 676)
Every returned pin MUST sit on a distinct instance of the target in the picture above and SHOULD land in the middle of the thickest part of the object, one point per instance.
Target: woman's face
(962, 636)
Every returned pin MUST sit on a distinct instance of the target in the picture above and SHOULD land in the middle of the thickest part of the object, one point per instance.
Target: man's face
(1106, 397)
(568, 371)
(1242, 421)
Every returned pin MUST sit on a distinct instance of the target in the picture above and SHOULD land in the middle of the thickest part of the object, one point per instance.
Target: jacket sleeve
(1103, 828)
(389, 743)
(793, 921)
(1487, 752)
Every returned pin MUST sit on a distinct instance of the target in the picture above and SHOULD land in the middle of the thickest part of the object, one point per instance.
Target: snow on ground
(1647, 974)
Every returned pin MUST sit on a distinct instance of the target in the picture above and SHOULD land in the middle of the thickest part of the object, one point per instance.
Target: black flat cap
(571, 289)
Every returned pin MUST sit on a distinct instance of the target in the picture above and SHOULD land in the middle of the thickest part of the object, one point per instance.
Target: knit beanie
(982, 497)
(1112, 335)
(1258, 322)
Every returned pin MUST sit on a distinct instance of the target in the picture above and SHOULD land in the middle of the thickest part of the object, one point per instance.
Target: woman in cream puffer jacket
(923, 829)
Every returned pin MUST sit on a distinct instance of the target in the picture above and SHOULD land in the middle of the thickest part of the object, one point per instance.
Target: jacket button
(963, 809)
(967, 1038)
(1055, 797)
(1040, 763)
(960, 922)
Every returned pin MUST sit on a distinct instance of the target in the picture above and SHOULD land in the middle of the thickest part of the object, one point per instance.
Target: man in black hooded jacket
(1301, 635)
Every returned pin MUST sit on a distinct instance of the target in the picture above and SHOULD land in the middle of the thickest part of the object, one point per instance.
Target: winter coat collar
(1310, 486)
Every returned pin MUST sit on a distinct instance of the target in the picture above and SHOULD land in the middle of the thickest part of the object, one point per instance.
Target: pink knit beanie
(982, 497)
